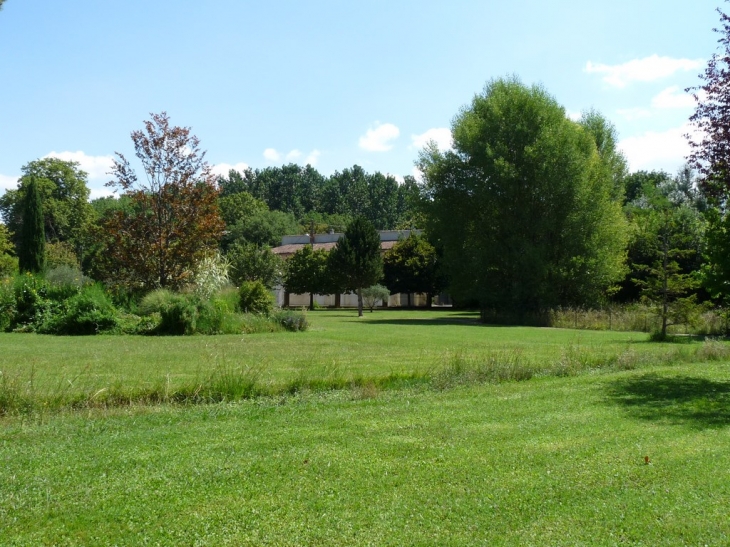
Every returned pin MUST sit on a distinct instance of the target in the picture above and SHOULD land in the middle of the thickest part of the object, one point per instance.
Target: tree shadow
(680, 400)
(428, 321)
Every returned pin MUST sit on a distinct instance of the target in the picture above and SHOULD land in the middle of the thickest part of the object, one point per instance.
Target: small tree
(32, 255)
(411, 266)
(306, 272)
(251, 262)
(372, 295)
(173, 221)
(356, 258)
(665, 285)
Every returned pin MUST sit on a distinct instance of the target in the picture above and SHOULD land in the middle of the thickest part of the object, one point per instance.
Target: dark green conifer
(32, 255)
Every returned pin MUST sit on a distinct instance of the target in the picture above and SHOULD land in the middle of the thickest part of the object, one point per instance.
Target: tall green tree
(67, 214)
(356, 258)
(412, 266)
(307, 272)
(32, 252)
(525, 207)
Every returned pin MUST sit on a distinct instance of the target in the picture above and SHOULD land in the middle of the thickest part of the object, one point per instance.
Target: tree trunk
(338, 303)
(409, 300)
(359, 302)
(429, 300)
(311, 301)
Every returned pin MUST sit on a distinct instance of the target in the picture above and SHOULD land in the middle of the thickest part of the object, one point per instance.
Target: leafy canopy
(525, 207)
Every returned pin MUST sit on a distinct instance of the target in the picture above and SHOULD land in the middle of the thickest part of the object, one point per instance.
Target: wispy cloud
(440, 135)
(97, 167)
(379, 137)
(647, 69)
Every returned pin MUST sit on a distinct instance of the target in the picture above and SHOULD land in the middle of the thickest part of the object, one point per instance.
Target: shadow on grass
(427, 321)
(682, 400)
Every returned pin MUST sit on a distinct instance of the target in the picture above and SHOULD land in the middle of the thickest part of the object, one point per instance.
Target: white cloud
(97, 167)
(379, 137)
(647, 69)
(440, 135)
(417, 174)
(8, 182)
(294, 155)
(657, 149)
(312, 158)
(573, 115)
(272, 155)
(632, 114)
(221, 169)
(95, 193)
(673, 97)
(398, 178)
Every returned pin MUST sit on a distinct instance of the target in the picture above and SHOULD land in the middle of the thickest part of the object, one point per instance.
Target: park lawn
(339, 348)
(549, 461)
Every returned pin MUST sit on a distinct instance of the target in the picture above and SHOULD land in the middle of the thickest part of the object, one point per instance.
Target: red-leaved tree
(173, 220)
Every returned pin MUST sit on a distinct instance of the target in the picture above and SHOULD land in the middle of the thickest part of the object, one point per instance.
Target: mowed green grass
(550, 461)
(339, 347)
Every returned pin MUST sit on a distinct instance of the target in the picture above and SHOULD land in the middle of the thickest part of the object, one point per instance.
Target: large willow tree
(525, 207)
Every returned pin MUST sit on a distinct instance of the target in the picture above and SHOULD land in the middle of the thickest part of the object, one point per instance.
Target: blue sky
(333, 83)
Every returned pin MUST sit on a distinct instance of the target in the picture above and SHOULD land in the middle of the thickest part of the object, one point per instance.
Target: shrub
(31, 301)
(89, 312)
(61, 254)
(155, 301)
(291, 320)
(179, 315)
(7, 304)
(372, 295)
(65, 282)
(254, 297)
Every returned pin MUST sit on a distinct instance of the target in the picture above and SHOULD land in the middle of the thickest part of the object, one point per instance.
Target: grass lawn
(339, 348)
(549, 461)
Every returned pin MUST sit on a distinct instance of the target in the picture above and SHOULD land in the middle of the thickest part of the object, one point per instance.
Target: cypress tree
(32, 256)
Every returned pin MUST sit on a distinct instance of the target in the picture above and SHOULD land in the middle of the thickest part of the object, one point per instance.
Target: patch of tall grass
(226, 383)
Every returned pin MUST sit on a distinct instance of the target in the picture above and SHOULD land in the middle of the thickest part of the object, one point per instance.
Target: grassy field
(383, 348)
(446, 460)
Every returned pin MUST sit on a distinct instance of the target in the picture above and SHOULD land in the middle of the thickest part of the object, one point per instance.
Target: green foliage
(155, 301)
(239, 207)
(255, 298)
(64, 282)
(374, 294)
(412, 266)
(61, 253)
(250, 262)
(262, 228)
(188, 314)
(8, 262)
(356, 261)
(31, 256)
(307, 272)
(668, 232)
(89, 312)
(62, 186)
(291, 320)
(525, 208)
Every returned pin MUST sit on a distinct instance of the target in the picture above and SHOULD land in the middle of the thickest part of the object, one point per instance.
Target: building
(388, 238)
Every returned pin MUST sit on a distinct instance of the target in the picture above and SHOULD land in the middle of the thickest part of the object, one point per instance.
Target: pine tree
(356, 258)
(32, 256)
